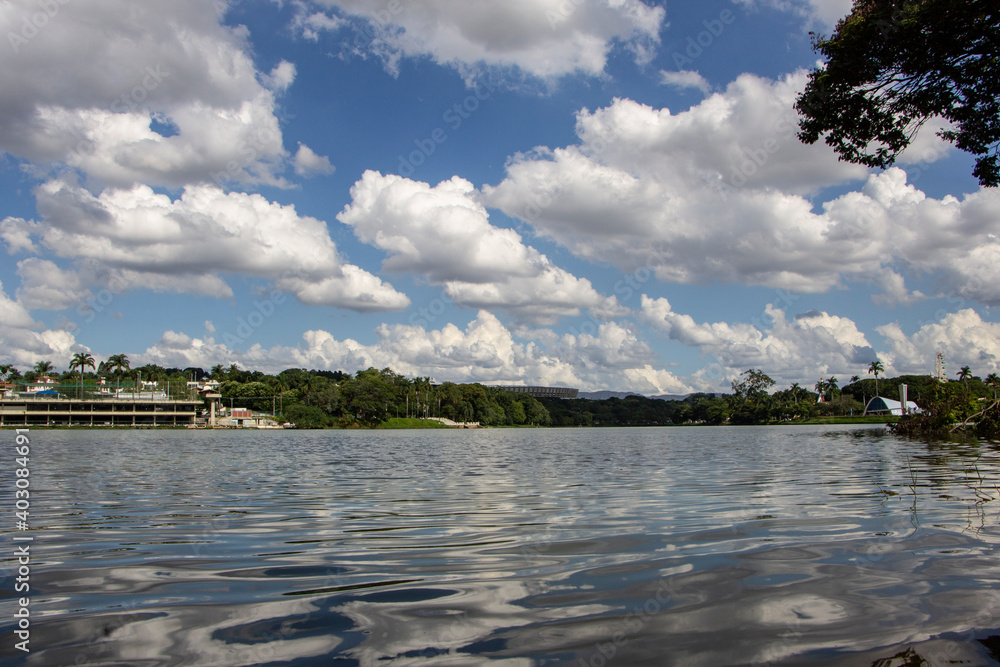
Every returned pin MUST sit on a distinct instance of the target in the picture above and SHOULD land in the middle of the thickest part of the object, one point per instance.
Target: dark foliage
(891, 65)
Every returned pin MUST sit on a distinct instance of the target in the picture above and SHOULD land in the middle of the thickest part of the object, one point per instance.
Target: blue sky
(606, 195)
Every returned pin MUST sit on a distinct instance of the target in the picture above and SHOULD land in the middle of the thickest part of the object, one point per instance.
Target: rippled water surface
(671, 546)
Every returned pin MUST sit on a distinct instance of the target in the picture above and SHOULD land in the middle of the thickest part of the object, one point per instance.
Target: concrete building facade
(57, 411)
(543, 392)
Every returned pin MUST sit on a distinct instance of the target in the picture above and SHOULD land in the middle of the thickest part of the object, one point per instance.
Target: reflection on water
(707, 546)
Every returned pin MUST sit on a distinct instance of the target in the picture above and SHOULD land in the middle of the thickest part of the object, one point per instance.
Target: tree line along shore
(374, 398)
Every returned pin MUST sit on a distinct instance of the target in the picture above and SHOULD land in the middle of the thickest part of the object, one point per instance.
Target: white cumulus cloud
(147, 240)
(26, 341)
(308, 162)
(824, 12)
(484, 350)
(721, 193)
(685, 79)
(443, 233)
(167, 96)
(964, 337)
(810, 345)
(542, 38)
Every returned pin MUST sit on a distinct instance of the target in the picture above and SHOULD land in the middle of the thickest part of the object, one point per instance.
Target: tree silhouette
(965, 374)
(874, 368)
(892, 65)
(120, 363)
(993, 381)
(82, 360)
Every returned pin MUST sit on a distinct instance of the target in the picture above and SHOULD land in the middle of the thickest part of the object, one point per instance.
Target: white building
(887, 406)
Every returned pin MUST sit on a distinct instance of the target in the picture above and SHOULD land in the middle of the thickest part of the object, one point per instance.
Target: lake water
(670, 546)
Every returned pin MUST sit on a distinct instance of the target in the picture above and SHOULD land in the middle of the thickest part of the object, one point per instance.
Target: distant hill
(671, 397)
(605, 395)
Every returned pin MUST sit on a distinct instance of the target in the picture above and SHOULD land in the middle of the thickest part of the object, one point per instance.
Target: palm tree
(119, 363)
(993, 381)
(795, 391)
(43, 367)
(82, 360)
(964, 374)
(821, 387)
(874, 368)
(832, 385)
(153, 372)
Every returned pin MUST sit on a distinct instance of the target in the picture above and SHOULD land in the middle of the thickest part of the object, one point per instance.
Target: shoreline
(430, 424)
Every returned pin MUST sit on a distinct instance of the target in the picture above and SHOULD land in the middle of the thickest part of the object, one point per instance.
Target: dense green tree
(253, 395)
(307, 416)
(750, 398)
(43, 368)
(891, 65)
(943, 407)
(294, 378)
(367, 398)
(793, 403)
(150, 373)
(534, 411)
(993, 381)
(449, 401)
(710, 411)
(476, 403)
(194, 374)
(322, 393)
